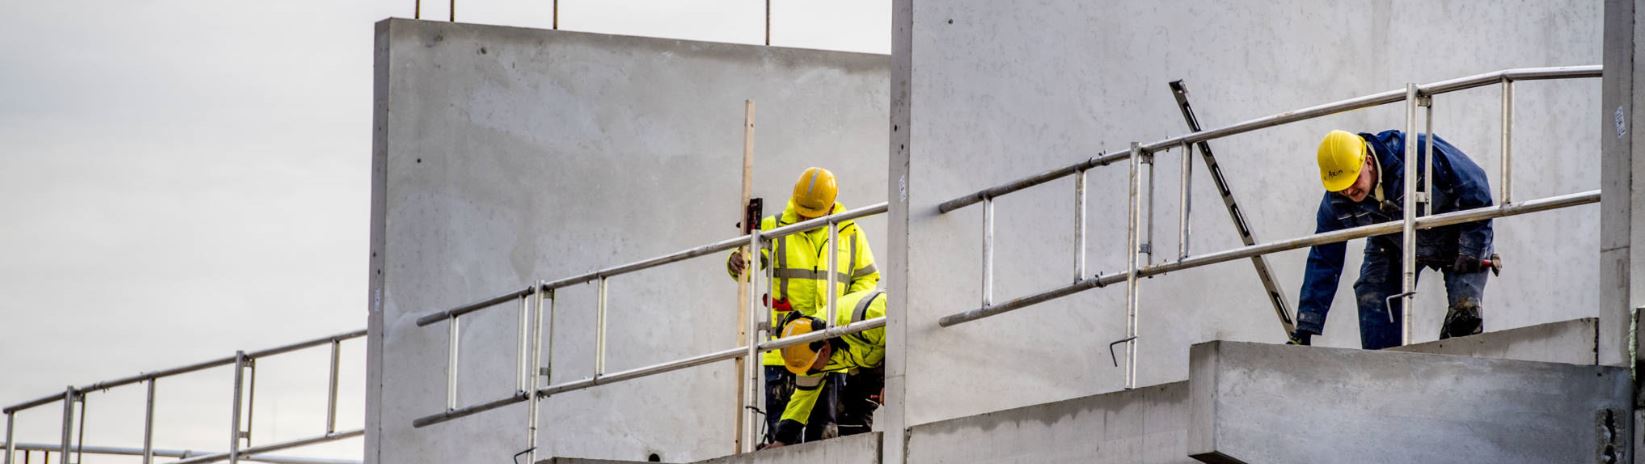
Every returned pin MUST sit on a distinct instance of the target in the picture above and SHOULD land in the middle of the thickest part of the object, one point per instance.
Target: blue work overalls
(1459, 184)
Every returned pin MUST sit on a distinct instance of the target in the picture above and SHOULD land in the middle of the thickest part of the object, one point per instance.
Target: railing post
(599, 330)
(1507, 141)
(1408, 232)
(11, 444)
(534, 360)
(1148, 211)
(833, 272)
(1427, 197)
(454, 336)
(331, 393)
(1132, 253)
(751, 359)
(522, 358)
(68, 421)
(234, 424)
(1079, 225)
(1184, 201)
(987, 252)
(148, 423)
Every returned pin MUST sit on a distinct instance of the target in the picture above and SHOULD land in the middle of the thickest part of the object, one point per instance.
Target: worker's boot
(1462, 320)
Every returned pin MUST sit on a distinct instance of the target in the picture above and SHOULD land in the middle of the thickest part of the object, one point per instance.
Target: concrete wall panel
(507, 155)
(999, 90)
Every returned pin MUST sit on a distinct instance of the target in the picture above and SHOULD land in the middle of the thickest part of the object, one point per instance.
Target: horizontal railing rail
(181, 454)
(244, 396)
(533, 366)
(1139, 230)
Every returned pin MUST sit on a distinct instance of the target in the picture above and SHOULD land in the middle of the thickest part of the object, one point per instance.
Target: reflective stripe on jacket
(861, 350)
(800, 270)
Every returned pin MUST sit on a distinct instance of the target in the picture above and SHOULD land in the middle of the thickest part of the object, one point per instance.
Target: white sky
(180, 179)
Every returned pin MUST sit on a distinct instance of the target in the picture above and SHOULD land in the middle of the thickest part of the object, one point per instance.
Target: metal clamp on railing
(532, 342)
(1139, 242)
(240, 428)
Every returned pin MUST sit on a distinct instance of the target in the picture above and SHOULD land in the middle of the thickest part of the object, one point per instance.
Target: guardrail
(531, 343)
(1139, 249)
(244, 402)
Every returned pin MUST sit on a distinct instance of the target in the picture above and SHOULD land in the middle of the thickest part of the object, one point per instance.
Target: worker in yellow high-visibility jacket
(855, 359)
(800, 272)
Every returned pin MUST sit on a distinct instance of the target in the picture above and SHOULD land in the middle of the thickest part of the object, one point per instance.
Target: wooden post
(743, 401)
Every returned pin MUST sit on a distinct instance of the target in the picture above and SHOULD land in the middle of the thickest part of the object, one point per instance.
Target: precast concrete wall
(986, 92)
(506, 155)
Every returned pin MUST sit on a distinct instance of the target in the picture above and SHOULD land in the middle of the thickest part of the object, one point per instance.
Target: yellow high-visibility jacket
(861, 350)
(801, 268)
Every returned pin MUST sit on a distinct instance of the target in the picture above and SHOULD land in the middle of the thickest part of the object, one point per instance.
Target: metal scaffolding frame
(1139, 228)
(531, 343)
(245, 395)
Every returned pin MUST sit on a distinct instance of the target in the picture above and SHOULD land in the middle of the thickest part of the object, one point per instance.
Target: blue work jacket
(1459, 184)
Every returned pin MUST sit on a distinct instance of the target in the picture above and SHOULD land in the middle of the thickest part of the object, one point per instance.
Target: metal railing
(243, 406)
(531, 343)
(1139, 236)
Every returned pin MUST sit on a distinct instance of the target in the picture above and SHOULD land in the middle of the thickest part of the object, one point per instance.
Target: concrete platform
(855, 449)
(1571, 342)
(1259, 403)
(1146, 425)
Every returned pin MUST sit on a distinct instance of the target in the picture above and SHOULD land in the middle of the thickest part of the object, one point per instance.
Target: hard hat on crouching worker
(800, 358)
(1341, 156)
(814, 193)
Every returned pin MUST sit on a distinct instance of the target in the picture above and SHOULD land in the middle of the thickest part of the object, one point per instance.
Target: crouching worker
(854, 361)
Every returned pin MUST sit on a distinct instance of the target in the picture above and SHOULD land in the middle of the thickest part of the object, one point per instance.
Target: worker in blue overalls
(1364, 179)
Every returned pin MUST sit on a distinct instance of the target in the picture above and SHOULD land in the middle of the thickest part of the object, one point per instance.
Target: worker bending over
(856, 359)
(1364, 179)
(799, 281)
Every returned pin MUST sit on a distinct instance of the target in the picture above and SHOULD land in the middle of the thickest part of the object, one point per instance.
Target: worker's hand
(1467, 264)
(737, 263)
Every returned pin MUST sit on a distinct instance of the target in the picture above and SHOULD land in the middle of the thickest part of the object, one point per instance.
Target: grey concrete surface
(1261, 403)
(985, 92)
(558, 460)
(505, 155)
(1570, 342)
(861, 448)
(1146, 425)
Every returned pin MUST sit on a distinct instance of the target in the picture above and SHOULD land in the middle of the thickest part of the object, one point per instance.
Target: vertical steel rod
(534, 360)
(834, 272)
(1428, 159)
(1507, 141)
(751, 360)
(1132, 242)
(11, 444)
(417, 10)
(556, 15)
(599, 329)
(1079, 225)
(522, 358)
(1408, 263)
(239, 392)
(331, 393)
(453, 11)
(148, 424)
(1148, 214)
(548, 357)
(987, 252)
(80, 440)
(68, 421)
(454, 335)
(1184, 202)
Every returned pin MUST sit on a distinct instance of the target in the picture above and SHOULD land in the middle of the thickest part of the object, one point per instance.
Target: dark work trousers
(1380, 277)
(779, 386)
(859, 397)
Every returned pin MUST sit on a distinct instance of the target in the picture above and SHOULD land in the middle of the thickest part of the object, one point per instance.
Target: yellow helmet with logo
(799, 358)
(1341, 156)
(814, 193)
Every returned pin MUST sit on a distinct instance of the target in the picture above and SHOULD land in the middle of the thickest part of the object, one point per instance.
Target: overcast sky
(180, 179)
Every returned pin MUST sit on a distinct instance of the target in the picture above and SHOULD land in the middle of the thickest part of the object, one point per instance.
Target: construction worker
(1364, 179)
(857, 357)
(800, 275)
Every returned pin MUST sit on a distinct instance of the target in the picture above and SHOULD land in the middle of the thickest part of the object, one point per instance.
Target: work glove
(737, 263)
(1467, 264)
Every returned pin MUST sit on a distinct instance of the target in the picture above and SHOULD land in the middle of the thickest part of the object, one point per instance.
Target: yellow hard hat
(814, 192)
(1341, 155)
(799, 358)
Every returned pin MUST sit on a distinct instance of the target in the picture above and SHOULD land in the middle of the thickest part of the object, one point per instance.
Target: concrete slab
(862, 448)
(558, 460)
(1571, 342)
(1260, 403)
(1146, 425)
